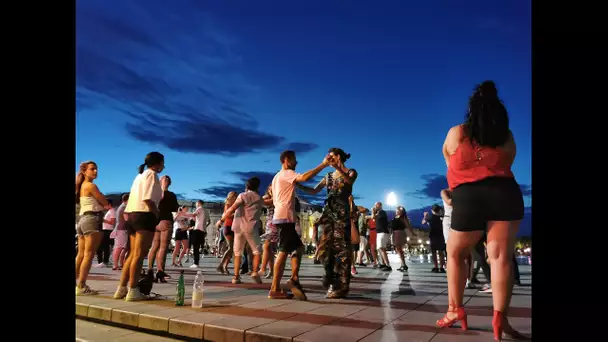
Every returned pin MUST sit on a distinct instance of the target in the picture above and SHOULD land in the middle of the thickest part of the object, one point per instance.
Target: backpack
(146, 282)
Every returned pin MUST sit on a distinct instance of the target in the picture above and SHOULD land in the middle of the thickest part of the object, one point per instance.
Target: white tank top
(89, 204)
(447, 209)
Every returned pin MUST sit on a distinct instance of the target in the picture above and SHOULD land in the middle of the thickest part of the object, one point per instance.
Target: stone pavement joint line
(382, 306)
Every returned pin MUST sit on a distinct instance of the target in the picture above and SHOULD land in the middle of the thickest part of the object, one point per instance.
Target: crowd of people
(481, 213)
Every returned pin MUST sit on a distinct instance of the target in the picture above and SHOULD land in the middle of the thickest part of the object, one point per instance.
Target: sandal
(446, 322)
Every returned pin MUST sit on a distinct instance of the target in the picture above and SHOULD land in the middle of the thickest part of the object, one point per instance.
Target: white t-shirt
(249, 210)
(202, 219)
(111, 214)
(181, 223)
(146, 186)
(447, 210)
(284, 195)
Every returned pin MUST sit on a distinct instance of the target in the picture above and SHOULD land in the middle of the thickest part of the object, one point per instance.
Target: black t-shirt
(167, 205)
(436, 226)
(381, 222)
(397, 224)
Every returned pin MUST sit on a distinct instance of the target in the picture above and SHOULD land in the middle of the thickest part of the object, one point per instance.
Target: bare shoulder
(509, 145)
(87, 188)
(511, 138)
(453, 139)
(456, 132)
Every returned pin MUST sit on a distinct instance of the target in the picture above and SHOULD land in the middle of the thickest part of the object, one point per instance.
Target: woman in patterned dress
(334, 247)
(270, 237)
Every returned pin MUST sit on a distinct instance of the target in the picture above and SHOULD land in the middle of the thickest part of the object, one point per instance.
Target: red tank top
(371, 224)
(472, 163)
(228, 222)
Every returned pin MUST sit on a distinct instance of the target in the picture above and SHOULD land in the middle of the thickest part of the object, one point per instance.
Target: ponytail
(79, 181)
(152, 158)
(80, 177)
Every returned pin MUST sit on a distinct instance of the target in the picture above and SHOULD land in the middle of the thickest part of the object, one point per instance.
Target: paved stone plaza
(382, 306)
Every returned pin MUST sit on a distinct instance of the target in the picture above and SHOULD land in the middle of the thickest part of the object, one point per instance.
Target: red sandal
(445, 322)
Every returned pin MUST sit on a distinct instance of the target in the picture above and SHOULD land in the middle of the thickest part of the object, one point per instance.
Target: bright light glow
(527, 250)
(408, 238)
(391, 199)
(419, 241)
(428, 242)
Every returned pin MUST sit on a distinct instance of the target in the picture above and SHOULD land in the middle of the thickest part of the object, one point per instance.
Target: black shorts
(490, 199)
(354, 247)
(437, 243)
(142, 221)
(289, 240)
(181, 235)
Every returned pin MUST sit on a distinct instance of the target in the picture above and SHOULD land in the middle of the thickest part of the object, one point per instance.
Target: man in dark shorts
(436, 236)
(284, 194)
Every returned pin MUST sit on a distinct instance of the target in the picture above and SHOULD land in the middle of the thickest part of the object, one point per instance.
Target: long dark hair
(343, 155)
(403, 211)
(152, 158)
(486, 121)
(80, 177)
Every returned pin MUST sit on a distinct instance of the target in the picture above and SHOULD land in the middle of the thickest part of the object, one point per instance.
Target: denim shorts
(90, 222)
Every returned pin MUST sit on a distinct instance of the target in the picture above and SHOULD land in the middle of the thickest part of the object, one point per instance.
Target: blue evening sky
(221, 87)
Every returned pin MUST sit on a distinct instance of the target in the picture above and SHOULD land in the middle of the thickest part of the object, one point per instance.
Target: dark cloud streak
(177, 82)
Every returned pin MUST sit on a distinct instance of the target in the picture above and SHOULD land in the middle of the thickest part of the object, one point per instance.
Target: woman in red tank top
(228, 234)
(485, 196)
(371, 223)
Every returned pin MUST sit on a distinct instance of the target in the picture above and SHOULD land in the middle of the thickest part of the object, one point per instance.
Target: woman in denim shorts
(92, 205)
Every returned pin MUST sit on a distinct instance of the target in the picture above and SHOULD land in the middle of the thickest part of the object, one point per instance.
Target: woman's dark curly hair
(486, 121)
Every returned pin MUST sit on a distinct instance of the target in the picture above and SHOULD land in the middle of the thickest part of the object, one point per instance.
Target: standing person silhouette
(144, 216)
(383, 235)
(485, 196)
(89, 229)
(436, 236)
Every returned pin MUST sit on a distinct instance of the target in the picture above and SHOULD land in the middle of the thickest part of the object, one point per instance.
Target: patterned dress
(334, 246)
(271, 233)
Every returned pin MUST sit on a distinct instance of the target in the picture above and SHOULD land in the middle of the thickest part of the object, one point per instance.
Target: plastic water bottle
(179, 298)
(197, 290)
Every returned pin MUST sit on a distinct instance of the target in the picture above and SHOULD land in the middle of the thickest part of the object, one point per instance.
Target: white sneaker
(486, 289)
(194, 266)
(121, 292)
(85, 291)
(134, 295)
(99, 265)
